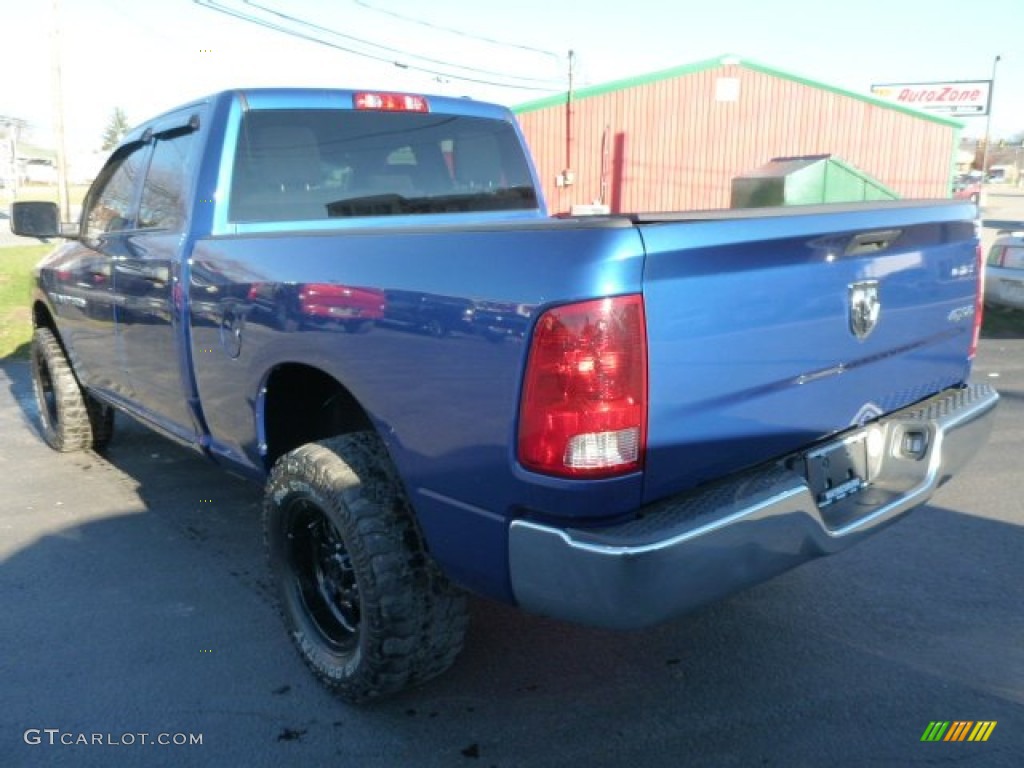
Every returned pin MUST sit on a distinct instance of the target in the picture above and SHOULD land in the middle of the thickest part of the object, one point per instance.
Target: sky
(146, 57)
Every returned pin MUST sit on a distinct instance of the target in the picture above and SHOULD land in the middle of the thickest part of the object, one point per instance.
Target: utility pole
(13, 134)
(58, 120)
(988, 122)
(567, 174)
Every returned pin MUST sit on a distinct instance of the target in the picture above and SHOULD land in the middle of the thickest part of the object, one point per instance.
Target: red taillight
(584, 406)
(979, 303)
(391, 102)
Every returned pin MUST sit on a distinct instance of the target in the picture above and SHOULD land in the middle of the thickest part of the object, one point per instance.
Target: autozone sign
(958, 98)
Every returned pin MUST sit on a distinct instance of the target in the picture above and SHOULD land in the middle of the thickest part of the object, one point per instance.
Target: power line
(268, 24)
(453, 31)
(361, 41)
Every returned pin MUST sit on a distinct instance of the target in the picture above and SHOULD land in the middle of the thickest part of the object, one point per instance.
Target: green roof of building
(714, 63)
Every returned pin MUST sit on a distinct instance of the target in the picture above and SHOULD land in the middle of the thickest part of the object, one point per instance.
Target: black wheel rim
(325, 579)
(47, 395)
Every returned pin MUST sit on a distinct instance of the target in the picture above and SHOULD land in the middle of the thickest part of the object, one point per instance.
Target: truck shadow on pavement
(139, 576)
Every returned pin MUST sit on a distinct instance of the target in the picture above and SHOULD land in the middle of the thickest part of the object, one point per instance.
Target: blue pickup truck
(359, 300)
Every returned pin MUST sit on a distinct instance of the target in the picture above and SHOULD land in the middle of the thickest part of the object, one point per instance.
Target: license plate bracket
(838, 469)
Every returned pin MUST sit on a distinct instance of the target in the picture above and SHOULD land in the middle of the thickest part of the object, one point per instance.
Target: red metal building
(674, 140)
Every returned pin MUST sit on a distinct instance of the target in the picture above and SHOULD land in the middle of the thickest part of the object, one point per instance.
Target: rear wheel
(370, 613)
(71, 419)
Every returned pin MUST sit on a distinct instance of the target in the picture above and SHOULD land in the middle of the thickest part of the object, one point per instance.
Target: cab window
(110, 204)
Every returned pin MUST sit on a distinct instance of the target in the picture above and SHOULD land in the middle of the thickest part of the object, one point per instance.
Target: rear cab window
(321, 164)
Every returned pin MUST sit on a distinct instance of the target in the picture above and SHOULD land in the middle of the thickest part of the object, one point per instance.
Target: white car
(1004, 271)
(39, 172)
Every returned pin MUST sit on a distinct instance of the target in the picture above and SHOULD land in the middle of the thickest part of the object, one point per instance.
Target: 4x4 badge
(865, 307)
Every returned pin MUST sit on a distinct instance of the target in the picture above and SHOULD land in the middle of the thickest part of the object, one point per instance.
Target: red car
(295, 305)
(967, 188)
(355, 308)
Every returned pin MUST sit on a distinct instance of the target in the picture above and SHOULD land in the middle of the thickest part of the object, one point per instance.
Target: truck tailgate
(772, 333)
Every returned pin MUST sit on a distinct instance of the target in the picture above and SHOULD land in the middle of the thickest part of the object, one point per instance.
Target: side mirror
(35, 219)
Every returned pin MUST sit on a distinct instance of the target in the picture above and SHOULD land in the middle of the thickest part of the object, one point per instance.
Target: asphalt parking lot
(136, 601)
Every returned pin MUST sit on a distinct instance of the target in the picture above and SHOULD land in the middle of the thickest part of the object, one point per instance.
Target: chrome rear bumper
(701, 546)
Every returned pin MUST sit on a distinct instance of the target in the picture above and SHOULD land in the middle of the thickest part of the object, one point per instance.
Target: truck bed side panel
(438, 369)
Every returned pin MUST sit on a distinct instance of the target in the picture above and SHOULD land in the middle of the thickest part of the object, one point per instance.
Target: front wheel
(370, 613)
(71, 419)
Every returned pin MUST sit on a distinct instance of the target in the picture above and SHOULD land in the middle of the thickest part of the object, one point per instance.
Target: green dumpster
(805, 181)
